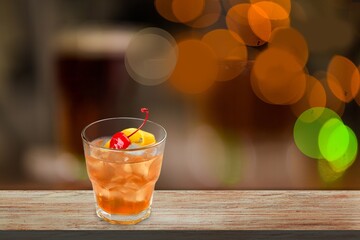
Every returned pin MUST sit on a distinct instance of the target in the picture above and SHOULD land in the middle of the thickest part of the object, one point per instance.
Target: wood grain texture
(188, 210)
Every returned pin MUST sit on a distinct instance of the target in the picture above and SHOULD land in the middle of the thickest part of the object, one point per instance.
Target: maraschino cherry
(120, 141)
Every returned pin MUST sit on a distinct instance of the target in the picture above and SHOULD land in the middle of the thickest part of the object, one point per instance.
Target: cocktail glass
(123, 180)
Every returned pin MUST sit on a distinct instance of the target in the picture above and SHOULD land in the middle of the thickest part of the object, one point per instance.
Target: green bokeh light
(333, 139)
(332, 171)
(346, 160)
(307, 129)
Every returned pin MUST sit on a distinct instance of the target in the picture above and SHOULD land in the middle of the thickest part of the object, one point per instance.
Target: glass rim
(86, 140)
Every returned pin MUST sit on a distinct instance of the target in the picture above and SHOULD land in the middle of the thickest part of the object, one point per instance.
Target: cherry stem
(145, 110)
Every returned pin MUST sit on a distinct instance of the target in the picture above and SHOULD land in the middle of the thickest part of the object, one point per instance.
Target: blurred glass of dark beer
(90, 73)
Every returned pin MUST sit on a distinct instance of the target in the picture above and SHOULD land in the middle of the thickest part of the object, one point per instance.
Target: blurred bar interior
(62, 66)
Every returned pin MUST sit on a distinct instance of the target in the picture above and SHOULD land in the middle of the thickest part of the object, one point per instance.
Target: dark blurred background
(62, 67)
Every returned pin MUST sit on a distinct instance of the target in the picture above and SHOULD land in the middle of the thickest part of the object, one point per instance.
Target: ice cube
(133, 183)
(101, 191)
(146, 153)
(141, 168)
(154, 169)
(99, 152)
(139, 194)
(117, 192)
(151, 152)
(118, 176)
(135, 153)
(144, 194)
(100, 171)
(117, 157)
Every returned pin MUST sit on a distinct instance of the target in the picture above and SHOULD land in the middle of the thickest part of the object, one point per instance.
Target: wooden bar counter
(188, 210)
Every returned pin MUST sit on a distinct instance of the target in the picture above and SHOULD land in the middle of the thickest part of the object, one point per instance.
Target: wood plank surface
(188, 210)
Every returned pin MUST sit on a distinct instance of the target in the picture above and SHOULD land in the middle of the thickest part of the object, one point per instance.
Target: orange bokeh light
(230, 50)
(343, 78)
(289, 39)
(227, 4)
(357, 98)
(164, 8)
(194, 13)
(273, 10)
(332, 102)
(256, 89)
(314, 96)
(265, 17)
(210, 15)
(196, 69)
(279, 77)
(187, 10)
(259, 22)
(237, 20)
(284, 4)
(279, 23)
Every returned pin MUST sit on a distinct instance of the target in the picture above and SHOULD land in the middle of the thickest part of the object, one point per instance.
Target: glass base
(123, 219)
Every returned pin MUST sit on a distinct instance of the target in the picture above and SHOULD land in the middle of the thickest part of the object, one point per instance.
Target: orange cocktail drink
(123, 180)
